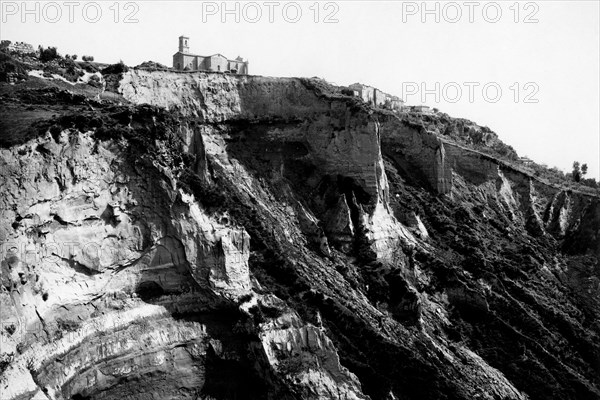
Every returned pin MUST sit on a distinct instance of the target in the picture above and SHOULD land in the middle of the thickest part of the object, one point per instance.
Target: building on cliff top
(376, 97)
(421, 109)
(526, 160)
(19, 47)
(183, 60)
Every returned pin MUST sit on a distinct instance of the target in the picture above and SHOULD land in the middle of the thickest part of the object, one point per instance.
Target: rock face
(224, 237)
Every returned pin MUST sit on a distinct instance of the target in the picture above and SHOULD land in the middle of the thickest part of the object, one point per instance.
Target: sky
(528, 70)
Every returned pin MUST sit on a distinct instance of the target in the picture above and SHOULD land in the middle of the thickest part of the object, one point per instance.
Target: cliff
(218, 236)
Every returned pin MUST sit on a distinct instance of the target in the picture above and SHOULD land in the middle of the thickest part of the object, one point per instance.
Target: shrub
(95, 81)
(118, 68)
(71, 72)
(89, 68)
(9, 66)
(50, 69)
(68, 325)
(590, 182)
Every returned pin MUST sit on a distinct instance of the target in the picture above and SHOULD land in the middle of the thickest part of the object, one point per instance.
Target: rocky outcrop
(301, 355)
(410, 146)
(220, 97)
(339, 225)
(435, 161)
(90, 235)
(218, 253)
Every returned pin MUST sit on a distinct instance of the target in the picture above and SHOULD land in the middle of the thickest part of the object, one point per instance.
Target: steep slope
(248, 237)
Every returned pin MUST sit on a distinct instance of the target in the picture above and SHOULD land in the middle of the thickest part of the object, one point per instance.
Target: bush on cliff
(152, 66)
(9, 66)
(48, 54)
(117, 68)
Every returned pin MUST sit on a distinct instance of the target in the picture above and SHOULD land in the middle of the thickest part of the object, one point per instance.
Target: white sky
(382, 43)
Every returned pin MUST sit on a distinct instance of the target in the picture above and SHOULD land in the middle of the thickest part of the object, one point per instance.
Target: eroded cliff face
(438, 162)
(283, 122)
(116, 281)
(227, 237)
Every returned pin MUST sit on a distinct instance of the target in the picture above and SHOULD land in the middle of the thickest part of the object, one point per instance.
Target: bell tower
(184, 46)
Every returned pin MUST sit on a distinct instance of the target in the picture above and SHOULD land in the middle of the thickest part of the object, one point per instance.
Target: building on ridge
(376, 97)
(183, 60)
(19, 47)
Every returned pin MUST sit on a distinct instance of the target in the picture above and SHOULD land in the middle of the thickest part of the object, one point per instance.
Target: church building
(184, 61)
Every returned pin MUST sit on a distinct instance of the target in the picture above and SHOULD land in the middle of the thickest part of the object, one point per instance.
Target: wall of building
(177, 61)
(379, 98)
(181, 61)
(219, 63)
(239, 66)
(195, 61)
(368, 94)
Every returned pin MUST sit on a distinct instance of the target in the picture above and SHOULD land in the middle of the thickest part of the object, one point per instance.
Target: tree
(584, 169)
(577, 171)
(74, 57)
(48, 54)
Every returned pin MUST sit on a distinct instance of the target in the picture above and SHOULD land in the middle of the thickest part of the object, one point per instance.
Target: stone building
(395, 102)
(422, 109)
(376, 97)
(19, 47)
(183, 60)
(526, 160)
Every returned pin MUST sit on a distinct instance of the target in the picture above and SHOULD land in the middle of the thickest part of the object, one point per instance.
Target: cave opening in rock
(149, 290)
